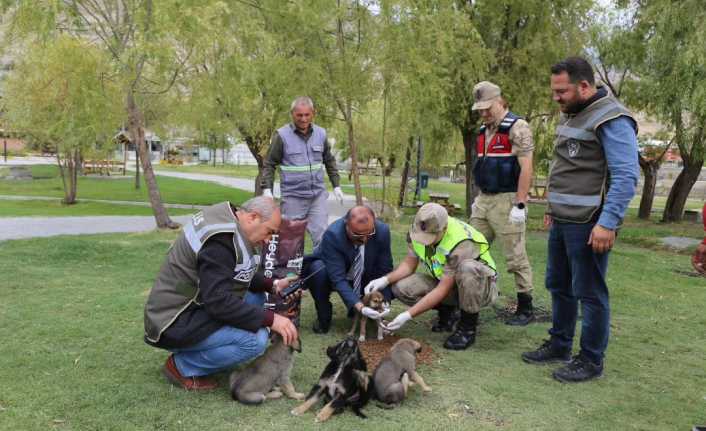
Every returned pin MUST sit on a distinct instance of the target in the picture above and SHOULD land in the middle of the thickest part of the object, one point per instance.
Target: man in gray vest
(206, 305)
(302, 150)
(592, 178)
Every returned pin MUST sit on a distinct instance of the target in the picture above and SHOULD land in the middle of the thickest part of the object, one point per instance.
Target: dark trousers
(576, 274)
(320, 288)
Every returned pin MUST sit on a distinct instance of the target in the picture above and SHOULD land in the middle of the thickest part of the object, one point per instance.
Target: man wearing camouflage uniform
(461, 273)
(503, 173)
(302, 150)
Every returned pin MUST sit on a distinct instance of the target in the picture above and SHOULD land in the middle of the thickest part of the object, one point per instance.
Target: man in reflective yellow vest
(461, 273)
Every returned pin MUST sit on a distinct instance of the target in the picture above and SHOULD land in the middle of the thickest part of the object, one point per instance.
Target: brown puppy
(393, 374)
(268, 376)
(376, 301)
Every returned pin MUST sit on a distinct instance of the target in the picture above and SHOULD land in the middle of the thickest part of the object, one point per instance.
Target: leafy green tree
(668, 81)
(59, 93)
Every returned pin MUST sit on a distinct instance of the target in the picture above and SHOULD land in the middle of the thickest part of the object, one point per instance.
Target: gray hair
(302, 100)
(262, 205)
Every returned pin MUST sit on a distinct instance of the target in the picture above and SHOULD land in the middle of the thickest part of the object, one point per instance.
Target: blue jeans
(575, 273)
(223, 349)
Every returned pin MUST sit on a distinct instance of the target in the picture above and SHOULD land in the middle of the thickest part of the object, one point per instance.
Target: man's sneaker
(172, 374)
(320, 328)
(460, 340)
(546, 354)
(580, 369)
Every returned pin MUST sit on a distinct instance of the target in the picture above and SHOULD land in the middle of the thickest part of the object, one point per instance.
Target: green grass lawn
(46, 182)
(73, 357)
(54, 208)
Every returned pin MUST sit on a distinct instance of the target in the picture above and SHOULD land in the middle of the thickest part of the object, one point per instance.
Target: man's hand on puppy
(398, 321)
(285, 328)
(373, 314)
(377, 284)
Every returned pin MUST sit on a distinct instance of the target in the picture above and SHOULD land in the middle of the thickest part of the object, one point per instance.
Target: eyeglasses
(360, 235)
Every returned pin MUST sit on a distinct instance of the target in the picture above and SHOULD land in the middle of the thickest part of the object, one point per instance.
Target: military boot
(524, 313)
(448, 316)
(465, 334)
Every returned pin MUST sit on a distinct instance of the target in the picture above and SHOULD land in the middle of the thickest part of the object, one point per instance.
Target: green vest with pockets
(456, 232)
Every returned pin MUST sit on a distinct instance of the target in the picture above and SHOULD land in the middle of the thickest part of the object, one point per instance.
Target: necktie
(358, 270)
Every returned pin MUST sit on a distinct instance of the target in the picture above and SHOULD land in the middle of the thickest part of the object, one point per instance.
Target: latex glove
(267, 193)
(398, 321)
(373, 314)
(339, 194)
(377, 284)
(517, 216)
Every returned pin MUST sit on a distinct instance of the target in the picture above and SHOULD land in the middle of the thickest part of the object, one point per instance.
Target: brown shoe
(172, 374)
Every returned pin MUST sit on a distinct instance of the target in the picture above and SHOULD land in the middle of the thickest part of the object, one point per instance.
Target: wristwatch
(520, 205)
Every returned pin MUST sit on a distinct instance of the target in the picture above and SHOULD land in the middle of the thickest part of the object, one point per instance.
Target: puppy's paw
(361, 338)
(298, 396)
(297, 411)
(426, 389)
(380, 337)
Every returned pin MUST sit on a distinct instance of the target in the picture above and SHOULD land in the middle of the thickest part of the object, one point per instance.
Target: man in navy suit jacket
(332, 264)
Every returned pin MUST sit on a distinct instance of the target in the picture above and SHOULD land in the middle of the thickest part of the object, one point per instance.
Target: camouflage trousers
(473, 289)
(490, 216)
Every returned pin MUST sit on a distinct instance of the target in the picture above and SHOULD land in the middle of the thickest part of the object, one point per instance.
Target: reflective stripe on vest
(307, 168)
(456, 232)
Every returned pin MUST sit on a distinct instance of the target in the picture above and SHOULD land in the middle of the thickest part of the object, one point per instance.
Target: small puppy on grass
(392, 376)
(268, 376)
(343, 383)
(376, 301)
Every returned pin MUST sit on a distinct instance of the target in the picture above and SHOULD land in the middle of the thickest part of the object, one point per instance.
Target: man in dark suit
(353, 251)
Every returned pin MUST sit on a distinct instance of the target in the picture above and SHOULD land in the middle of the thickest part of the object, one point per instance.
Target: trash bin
(423, 180)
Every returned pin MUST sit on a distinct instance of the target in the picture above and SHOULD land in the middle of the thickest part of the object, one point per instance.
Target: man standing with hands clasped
(592, 178)
(301, 150)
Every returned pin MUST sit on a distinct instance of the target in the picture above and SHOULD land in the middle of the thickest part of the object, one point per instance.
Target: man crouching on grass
(206, 306)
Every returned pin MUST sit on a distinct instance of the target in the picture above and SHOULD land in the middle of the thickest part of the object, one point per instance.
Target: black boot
(448, 316)
(465, 334)
(524, 313)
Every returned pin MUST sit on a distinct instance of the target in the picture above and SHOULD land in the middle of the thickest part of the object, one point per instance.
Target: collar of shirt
(305, 135)
(493, 127)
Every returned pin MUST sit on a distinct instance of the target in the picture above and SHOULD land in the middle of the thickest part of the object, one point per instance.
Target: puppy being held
(396, 372)
(376, 301)
(268, 376)
(344, 382)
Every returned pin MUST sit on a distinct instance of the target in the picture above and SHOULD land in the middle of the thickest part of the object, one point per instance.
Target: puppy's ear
(331, 351)
(297, 345)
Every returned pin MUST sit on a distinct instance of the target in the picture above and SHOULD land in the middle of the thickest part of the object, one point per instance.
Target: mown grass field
(46, 182)
(73, 357)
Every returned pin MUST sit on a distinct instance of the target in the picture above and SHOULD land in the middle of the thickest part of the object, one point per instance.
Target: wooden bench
(538, 191)
(102, 167)
(443, 200)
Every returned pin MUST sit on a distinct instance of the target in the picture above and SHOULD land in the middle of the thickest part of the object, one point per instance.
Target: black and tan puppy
(343, 383)
(267, 377)
(376, 301)
(392, 376)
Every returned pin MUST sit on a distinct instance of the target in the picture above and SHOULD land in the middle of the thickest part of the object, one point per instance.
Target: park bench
(538, 191)
(443, 200)
(102, 167)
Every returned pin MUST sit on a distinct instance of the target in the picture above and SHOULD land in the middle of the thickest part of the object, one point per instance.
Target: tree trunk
(136, 129)
(137, 164)
(405, 172)
(254, 147)
(469, 146)
(674, 208)
(354, 155)
(649, 170)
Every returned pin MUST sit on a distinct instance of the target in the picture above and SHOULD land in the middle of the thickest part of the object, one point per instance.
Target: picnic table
(102, 167)
(443, 200)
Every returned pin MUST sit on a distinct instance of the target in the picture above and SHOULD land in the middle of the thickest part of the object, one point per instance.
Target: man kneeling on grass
(461, 275)
(206, 305)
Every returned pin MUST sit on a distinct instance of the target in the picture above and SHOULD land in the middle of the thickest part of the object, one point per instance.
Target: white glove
(399, 321)
(339, 194)
(377, 284)
(517, 216)
(267, 193)
(372, 314)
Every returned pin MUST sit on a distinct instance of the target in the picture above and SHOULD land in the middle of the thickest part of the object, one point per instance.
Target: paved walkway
(29, 227)
(105, 201)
